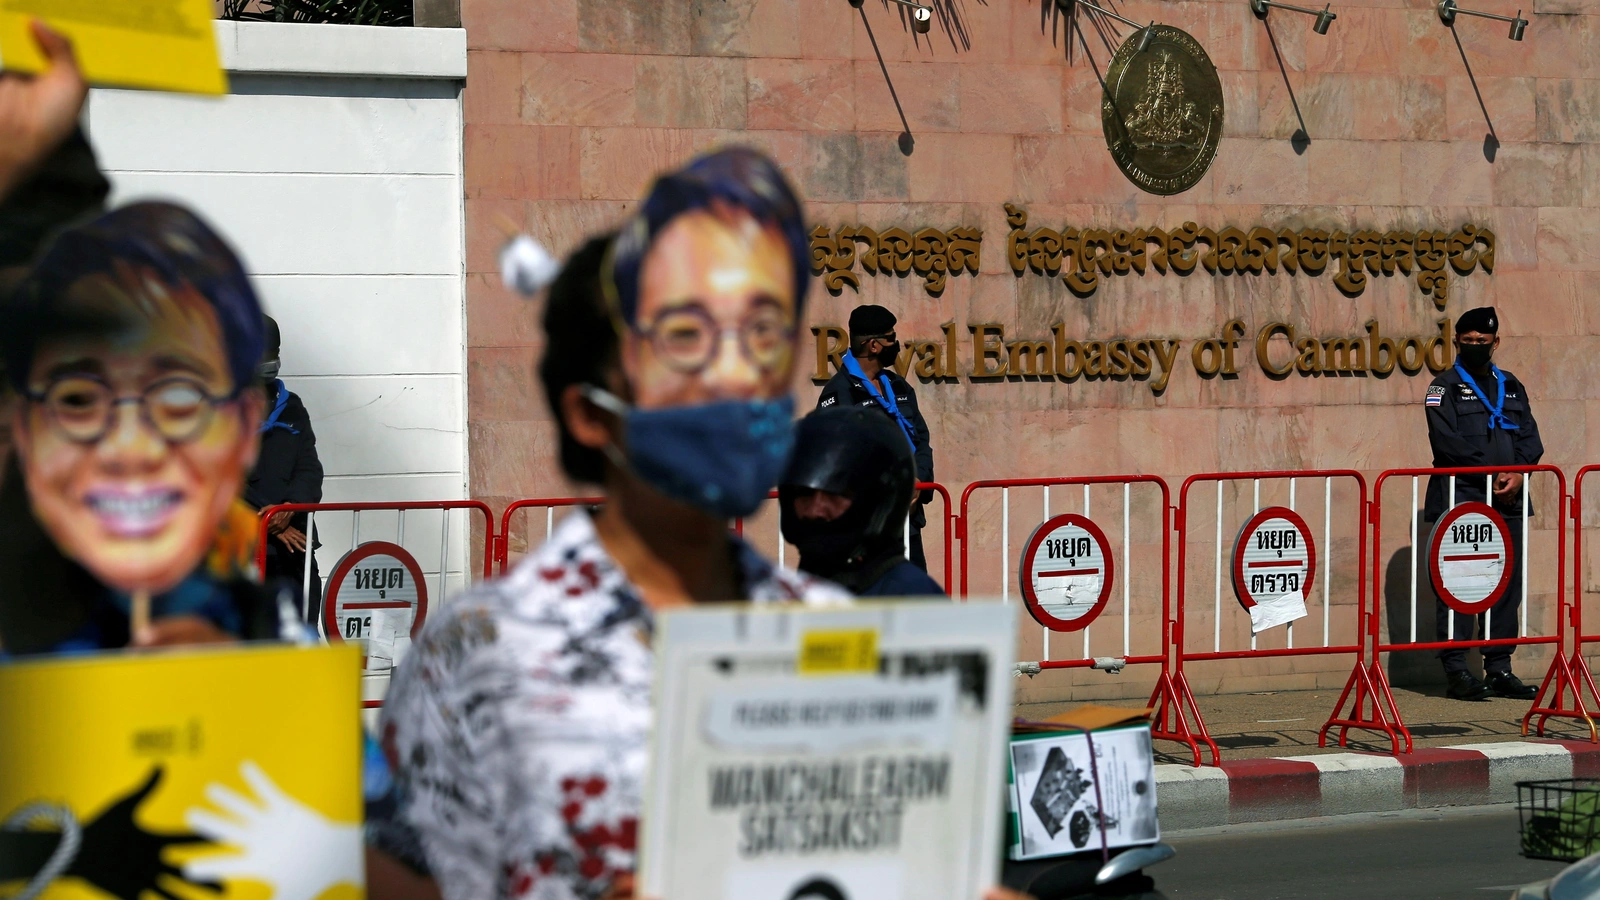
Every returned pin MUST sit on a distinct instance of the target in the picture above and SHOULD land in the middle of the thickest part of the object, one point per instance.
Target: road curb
(1332, 784)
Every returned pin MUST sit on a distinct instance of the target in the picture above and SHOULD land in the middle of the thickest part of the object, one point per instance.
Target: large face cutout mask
(716, 316)
(709, 361)
(133, 439)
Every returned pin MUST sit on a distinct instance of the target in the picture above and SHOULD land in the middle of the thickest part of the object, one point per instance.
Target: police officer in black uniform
(844, 499)
(867, 379)
(287, 471)
(1478, 415)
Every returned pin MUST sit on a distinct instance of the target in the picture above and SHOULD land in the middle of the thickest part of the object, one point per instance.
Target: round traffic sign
(375, 591)
(1274, 557)
(1066, 572)
(1469, 558)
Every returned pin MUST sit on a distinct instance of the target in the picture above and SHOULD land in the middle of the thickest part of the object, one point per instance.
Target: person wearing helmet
(844, 500)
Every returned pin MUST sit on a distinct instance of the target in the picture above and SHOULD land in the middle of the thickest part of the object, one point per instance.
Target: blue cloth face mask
(722, 458)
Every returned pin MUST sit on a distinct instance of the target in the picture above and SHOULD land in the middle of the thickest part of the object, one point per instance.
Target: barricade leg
(1174, 704)
(1563, 675)
(1367, 684)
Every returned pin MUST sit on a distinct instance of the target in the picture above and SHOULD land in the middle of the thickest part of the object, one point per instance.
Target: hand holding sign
(37, 112)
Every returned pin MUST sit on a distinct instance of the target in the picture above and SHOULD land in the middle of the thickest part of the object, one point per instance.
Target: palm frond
(330, 12)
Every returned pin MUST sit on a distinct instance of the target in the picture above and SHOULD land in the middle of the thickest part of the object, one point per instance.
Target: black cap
(1482, 320)
(869, 320)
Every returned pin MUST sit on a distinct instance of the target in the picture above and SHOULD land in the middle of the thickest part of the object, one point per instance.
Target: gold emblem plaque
(1162, 110)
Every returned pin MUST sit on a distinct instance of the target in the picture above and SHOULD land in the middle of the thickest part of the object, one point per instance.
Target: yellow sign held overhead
(164, 45)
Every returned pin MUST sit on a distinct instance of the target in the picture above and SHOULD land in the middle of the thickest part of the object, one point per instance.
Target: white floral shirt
(518, 723)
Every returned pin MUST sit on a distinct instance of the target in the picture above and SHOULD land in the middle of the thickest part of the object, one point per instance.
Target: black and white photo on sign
(1058, 808)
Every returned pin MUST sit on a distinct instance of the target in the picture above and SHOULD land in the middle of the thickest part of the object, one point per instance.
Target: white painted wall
(335, 169)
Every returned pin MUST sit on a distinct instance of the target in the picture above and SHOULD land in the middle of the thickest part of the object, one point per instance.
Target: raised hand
(37, 112)
(281, 841)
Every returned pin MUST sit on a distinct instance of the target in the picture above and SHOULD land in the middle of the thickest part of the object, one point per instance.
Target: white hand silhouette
(284, 843)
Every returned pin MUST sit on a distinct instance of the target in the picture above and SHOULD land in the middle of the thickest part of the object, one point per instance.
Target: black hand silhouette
(123, 859)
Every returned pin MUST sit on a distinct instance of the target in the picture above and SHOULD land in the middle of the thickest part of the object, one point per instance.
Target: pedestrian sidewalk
(1284, 723)
(1466, 754)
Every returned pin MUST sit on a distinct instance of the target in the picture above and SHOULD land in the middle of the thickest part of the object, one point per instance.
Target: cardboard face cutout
(716, 313)
(707, 281)
(705, 284)
(134, 431)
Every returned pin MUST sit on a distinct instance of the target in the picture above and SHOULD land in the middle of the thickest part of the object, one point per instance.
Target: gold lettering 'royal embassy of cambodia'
(1162, 110)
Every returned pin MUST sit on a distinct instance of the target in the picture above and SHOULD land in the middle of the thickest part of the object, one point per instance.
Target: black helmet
(861, 453)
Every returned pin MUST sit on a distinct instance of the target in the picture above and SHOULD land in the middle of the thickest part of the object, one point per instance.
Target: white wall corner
(282, 48)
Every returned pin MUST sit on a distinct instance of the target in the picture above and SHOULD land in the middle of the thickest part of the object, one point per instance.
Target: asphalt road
(1412, 855)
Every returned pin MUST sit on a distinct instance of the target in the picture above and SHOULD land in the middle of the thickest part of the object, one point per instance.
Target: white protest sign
(853, 752)
(1274, 563)
(1066, 572)
(1469, 558)
(376, 594)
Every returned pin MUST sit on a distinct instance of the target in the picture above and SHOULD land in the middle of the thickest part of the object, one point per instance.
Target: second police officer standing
(866, 378)
(1479, 415)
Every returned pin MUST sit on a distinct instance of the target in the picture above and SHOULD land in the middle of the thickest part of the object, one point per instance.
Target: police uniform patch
(826, 401)
(1435, 395)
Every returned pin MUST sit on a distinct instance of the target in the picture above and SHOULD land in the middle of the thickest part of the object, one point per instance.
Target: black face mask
(889, 354)
(1475, 356)
(825, 547)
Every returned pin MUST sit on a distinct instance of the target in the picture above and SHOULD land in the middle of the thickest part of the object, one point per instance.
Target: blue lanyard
(1497, 416)
(277, 410)
(885, 398)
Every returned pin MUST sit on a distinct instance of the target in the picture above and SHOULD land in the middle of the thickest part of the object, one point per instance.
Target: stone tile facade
(571, 105)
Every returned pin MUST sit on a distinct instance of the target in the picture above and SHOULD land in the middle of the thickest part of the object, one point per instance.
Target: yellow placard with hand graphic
(166, 45)
(221, 773)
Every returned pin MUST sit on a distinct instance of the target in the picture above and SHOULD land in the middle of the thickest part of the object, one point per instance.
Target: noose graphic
(66, 852)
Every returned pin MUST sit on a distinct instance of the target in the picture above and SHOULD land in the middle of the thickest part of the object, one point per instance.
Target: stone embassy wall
(571, 105)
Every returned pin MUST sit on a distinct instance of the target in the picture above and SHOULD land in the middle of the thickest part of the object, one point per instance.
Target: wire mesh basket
(1560, 818)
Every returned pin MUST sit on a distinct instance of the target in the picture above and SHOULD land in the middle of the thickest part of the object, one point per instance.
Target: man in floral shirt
(518, 724)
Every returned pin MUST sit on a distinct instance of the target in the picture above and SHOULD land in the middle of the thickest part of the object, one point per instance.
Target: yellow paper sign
(236, 767)
(166, 45)
(838, 652)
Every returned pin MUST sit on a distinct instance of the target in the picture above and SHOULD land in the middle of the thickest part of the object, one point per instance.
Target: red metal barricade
(1171, 698)
(1283, 494)
(444, 507)
(1579, 667)
(1562, 675)
(502, 549)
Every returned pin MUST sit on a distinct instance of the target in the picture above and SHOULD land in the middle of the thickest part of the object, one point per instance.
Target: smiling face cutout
(716, 313)
(134, 440)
